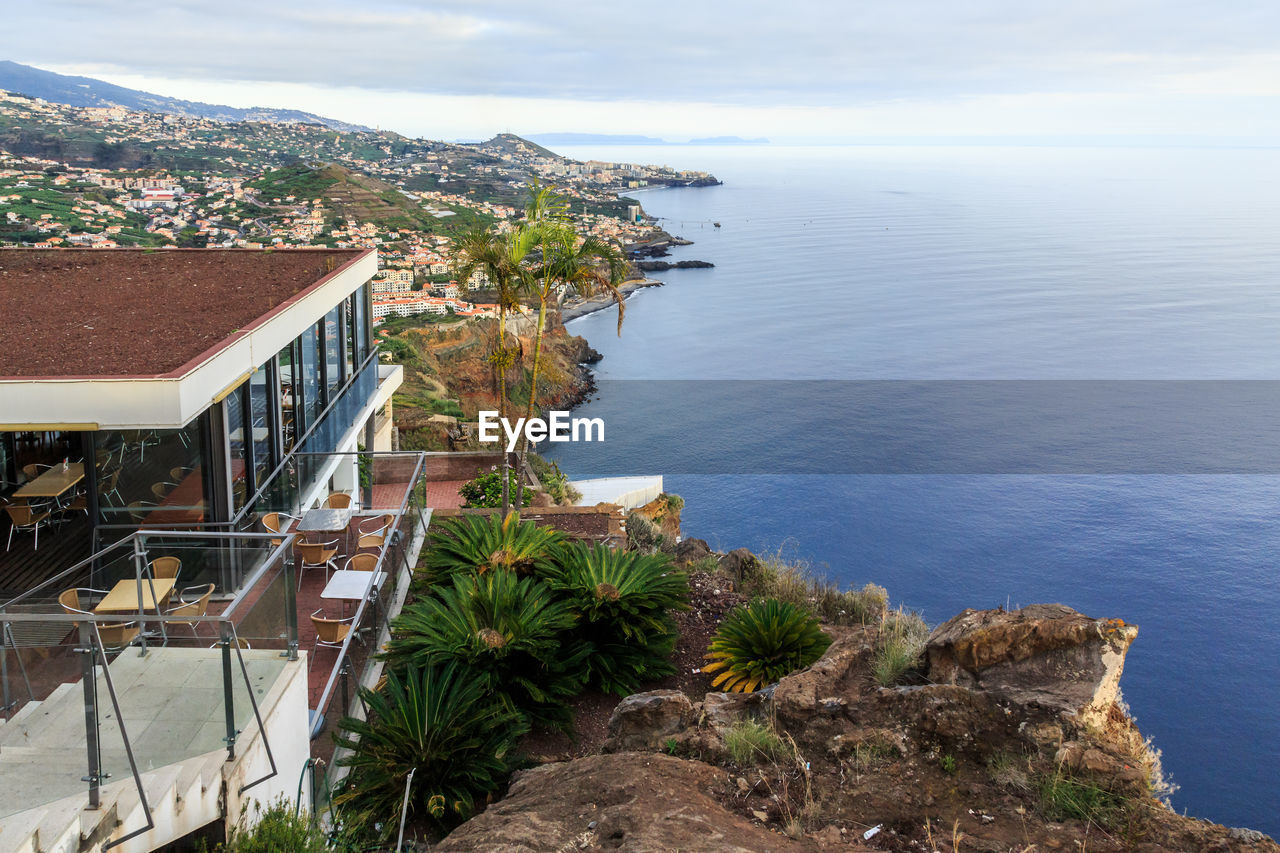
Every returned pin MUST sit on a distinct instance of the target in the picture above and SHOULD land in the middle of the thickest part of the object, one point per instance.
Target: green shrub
(472, 543)
(903, 635)
(643, 535)
(761, 642)
(749, 741)
(623, 601)
(793, 582)
(486, 490)
(508, 630)
(441, 720)
(1067, 797)
(279, 827)
(553, 481)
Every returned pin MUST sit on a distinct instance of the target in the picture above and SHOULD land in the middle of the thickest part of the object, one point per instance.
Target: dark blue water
(983, 263)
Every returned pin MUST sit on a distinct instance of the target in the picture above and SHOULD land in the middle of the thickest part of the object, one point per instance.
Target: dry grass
(794, 582)
(903, 634)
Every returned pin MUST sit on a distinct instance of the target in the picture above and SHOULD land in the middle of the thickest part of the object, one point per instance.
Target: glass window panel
(312, 388)
(349, 330)
(288, 396)
(239, 448)
(260, 415)
(362, 324)
(333, 351)
(152, 476)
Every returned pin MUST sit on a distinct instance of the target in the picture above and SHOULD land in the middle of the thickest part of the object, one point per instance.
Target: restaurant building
(172, 650)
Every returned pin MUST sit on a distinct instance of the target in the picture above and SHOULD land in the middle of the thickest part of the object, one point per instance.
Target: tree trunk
(502, 405)
(533, 398)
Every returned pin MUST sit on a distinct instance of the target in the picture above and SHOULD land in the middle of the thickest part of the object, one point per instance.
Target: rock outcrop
(625, 801)
(643, 720)
(1045, 654)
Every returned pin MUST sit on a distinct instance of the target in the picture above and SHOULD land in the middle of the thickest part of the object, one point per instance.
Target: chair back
(32, 471)
(371, 540)
(316, 553)
(139, 510)
(70, 600)
(166, 567)
(271, 522)
(117, 634)
(160, 490)
(21, 514)
(177, 474)
(338, 500)
(363, 563)
(331, 631)
(199, 607)
(378, 524)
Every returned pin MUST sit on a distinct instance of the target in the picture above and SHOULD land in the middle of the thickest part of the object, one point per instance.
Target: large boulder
(644, 720)
(1044, 654)
(690, 551)
(625, 801)
(740, 564)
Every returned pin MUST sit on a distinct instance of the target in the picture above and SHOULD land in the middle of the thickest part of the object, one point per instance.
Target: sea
(876, 313)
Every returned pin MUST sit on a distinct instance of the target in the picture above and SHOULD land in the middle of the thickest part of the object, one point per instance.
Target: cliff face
(450, 375)
(1012, 739)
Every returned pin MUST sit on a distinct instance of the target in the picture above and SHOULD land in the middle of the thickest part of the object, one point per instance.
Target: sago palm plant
(509, 630)
(481, 544)
(440, 720)
(759, 643)
(624, 602)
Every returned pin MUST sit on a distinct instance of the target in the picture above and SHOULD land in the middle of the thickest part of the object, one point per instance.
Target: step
(18, 833)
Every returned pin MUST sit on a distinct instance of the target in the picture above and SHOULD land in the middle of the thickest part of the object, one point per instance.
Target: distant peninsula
(553, 139)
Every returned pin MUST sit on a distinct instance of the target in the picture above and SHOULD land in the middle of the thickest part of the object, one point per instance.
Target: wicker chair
(27, 517)
(330, 633)
(338, 500)
(362, 563)
(316, 555)
(165, 567)
(190, 607)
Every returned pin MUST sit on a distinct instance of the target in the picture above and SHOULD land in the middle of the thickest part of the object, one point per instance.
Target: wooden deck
(24, 566)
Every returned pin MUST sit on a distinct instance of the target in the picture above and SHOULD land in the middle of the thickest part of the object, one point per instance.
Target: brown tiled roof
(134, 312)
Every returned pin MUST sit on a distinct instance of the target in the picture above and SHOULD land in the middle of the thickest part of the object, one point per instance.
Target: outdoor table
(350, 585)
(325, 520)
(53, 482)
(123, 597)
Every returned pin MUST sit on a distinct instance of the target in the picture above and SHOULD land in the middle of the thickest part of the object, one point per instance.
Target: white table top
(350, 585)
(325, 520)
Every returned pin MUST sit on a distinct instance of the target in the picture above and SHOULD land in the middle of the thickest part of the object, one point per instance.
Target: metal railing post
(89, 676)
(290, 611)
(228, 695)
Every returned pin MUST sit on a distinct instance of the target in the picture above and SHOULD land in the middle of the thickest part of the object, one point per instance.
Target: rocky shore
(580, 307)
(1011, 738)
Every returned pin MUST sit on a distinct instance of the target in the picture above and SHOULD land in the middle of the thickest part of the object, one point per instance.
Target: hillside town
(108, 177)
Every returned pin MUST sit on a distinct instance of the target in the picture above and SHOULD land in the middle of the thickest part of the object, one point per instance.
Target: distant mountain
(88, 92)
(728, 140)
(596, 139)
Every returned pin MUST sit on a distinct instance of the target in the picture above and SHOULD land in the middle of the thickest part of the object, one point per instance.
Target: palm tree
(501, 257)
(584, 265)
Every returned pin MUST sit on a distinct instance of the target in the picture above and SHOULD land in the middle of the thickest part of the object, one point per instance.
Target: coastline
(600, 302)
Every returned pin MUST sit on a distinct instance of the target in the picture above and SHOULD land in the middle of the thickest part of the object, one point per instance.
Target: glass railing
(90, 710)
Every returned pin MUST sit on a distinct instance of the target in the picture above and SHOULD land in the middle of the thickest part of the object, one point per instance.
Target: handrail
(326, 695)
(128, 747)
(131, 540)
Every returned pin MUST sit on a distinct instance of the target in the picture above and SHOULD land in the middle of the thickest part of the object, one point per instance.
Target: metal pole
(290, 611)
(346, 692)
(404, 807)
(88, 674)
(139, 560)
(9, 640)
(228, 697)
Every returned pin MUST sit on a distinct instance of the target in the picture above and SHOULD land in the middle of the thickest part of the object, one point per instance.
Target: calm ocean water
(988, 263)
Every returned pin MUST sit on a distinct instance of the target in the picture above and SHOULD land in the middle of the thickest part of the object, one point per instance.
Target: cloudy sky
(800, 69)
